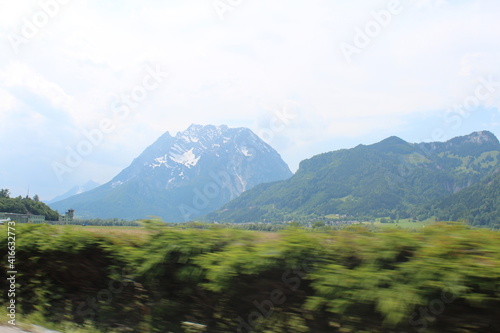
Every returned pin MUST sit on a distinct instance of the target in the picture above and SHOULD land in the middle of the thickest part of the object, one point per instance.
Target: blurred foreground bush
(445, 278)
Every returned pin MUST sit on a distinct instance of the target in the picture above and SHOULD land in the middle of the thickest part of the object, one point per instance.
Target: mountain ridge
(90, 185)
(391, 177)
(180, 177)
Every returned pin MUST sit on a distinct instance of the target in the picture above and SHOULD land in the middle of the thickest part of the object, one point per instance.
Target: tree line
(26, 205)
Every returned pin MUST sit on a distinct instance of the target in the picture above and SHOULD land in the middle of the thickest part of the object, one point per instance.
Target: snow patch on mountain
(244, 151)
(189, 139)
(115, 184)
(160, 161)
(241, 181)
(188, 158)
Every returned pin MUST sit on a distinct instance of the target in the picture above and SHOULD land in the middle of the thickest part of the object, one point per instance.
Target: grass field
(141, 233)
(137, 234)
(405, 224)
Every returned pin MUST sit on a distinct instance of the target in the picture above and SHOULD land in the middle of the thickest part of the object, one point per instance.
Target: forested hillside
(25, 206)
(390, 178)
(479, 204)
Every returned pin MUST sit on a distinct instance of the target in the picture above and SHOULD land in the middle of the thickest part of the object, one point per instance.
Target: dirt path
(14, 329)
(10, 329)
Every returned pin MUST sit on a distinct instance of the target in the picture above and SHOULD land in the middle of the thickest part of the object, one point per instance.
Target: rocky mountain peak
(481, 137)
(182, 176)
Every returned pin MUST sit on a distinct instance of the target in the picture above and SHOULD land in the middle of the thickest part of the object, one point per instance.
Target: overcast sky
(308, 76)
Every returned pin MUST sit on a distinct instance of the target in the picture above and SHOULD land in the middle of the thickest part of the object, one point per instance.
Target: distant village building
(23, 218)
(68, 217)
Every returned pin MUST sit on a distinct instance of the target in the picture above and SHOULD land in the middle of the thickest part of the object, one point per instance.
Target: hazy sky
(308, 76)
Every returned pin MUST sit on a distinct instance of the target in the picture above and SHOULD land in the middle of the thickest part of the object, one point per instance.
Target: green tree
(318, 224)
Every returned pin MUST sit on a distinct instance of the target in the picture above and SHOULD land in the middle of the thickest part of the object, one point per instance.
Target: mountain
(90, 185)
(388, 178)
(473, 144)
(478, 204)
(183, 176)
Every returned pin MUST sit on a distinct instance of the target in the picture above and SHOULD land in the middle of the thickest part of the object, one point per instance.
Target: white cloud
(8, 102)
(234, 71)
(13, 11)
(17, 75)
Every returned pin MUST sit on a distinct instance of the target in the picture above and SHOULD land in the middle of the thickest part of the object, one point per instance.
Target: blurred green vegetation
(439, 278)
